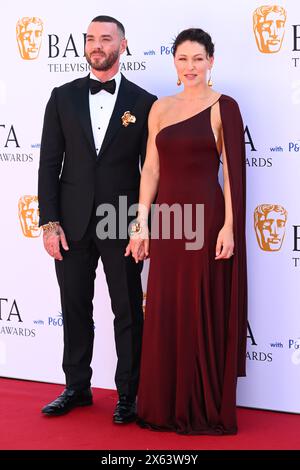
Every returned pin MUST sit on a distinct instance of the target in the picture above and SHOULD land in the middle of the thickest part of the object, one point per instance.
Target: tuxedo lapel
(125, 102)
(81, 99)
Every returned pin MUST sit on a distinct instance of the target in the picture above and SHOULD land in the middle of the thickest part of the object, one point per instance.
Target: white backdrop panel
(267, 88)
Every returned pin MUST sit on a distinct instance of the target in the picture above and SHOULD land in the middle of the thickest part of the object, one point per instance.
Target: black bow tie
(96, 86)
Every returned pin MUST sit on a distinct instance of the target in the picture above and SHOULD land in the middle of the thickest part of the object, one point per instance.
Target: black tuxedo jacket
(72, 176)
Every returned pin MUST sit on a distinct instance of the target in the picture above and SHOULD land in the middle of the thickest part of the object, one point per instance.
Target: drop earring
(178, 82)
(210, 83)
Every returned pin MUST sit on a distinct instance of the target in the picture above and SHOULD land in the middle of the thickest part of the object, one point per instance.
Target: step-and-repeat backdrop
(257, 61)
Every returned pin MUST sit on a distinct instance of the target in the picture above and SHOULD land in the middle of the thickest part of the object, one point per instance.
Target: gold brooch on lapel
(128, 118)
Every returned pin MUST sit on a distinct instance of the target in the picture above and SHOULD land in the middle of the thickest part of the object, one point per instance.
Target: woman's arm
(227, 191)
(139, 242)
(150, 172)
(225, 241)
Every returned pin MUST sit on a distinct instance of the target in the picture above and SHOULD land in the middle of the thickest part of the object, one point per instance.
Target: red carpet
(24, 427)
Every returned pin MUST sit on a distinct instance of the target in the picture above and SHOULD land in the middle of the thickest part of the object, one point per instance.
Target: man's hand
(52, 239)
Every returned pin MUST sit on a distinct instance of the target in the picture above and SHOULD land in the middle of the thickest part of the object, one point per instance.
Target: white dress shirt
(101, 108)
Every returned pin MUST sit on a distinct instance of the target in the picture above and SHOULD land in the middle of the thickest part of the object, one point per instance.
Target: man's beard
(103, 65)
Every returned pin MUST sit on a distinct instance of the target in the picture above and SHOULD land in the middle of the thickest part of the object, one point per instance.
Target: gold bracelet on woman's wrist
(135, 228)
(138, 227)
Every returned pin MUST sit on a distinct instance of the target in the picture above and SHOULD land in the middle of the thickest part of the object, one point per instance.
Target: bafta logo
(268, 25)
(269, 223)
(29, 37)
(29, 216)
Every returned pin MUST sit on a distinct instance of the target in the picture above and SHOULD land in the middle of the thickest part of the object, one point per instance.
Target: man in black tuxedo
(91, 153)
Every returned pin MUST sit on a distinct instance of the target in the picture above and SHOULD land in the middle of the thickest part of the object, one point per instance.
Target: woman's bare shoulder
(162, 104)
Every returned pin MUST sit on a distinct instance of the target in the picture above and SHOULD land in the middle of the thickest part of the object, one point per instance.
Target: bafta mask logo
(29, 216)
(269, 223)
(268, 24)
(29, 37)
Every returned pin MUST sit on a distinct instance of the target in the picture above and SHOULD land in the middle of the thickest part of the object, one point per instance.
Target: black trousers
(76, 275)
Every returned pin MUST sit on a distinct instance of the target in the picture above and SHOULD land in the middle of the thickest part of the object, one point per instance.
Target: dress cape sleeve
(233, 135)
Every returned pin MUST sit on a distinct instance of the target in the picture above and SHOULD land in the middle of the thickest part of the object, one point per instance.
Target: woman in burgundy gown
(195, 321)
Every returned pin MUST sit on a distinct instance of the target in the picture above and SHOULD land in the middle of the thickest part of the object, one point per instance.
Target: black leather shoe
(125, 411)
(68, 400)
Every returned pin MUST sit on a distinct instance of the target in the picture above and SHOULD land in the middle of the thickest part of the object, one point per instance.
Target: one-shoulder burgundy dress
(194, 337)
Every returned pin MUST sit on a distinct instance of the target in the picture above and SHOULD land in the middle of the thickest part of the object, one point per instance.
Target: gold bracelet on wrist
(135, 228)
(138, 228)
(50, 226)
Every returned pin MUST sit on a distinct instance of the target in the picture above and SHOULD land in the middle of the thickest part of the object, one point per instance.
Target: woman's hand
(225, 243)
(138, 245)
